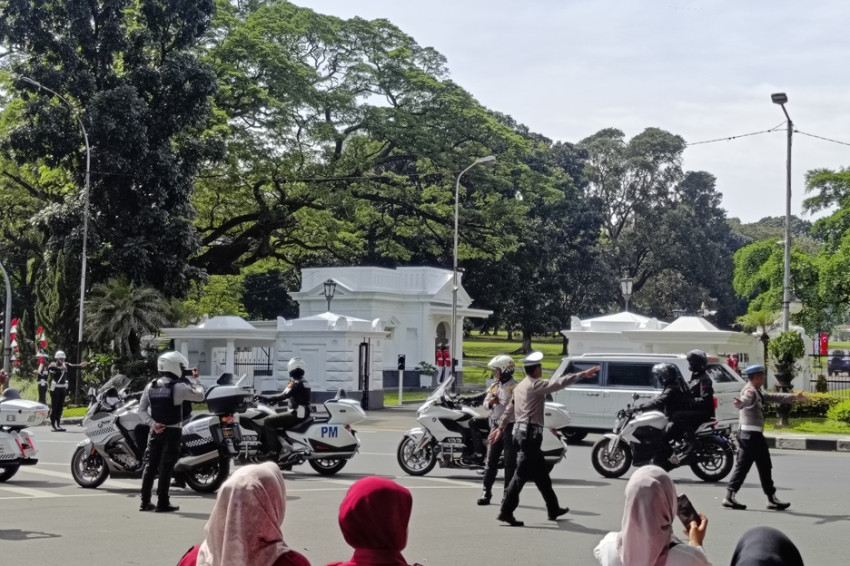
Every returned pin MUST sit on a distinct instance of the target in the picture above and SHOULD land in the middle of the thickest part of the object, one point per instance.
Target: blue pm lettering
(330, 431)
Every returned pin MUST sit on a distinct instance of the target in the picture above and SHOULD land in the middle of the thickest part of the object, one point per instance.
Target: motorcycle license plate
(228, 432)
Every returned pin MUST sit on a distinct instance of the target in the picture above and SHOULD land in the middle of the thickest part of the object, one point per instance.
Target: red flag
(13, 328)
(40, 339)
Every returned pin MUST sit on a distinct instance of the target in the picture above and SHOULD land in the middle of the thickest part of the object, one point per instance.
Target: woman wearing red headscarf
(373, 518)
(245, 524)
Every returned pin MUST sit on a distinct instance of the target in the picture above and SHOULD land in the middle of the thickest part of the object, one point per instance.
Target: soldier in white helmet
(58, 372)
(298, 394)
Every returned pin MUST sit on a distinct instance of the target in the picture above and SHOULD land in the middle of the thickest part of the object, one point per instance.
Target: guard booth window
(630, 375)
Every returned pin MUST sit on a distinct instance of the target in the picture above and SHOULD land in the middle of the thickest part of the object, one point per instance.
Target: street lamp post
(7, 330)
(83, 267)
(781, 99)
(329, 291)
(626, 284)
(488, 160)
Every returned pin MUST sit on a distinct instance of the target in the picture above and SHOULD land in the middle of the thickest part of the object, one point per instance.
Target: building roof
(691, 324)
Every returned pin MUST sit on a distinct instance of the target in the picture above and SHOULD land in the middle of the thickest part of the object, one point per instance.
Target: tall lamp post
(781, 99)
(329, 291)
(85, 218)
(488, 160)
(626, 284)
(7, 330)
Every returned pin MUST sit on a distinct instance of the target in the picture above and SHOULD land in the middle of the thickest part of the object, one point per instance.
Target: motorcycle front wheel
(713, 459)
(611, 464)
(7, 471)
(209, 476)
(88, 468)
(327, 466)
(416, 464)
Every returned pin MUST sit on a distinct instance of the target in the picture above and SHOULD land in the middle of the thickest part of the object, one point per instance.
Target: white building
(414, 305)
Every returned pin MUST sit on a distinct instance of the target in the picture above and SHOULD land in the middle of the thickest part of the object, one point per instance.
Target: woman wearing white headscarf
(245, 525)
(646, 537)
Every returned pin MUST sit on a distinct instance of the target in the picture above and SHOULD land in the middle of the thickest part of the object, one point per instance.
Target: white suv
(593, 404)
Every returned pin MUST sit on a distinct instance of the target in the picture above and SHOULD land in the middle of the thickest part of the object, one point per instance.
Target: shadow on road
(17, 534)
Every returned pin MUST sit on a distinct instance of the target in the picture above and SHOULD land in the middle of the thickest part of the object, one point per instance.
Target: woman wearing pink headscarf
(646, 537)
(245, 525)
(373, 518)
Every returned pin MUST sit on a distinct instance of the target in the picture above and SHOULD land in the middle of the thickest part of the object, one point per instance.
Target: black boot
(485, 497)
(731, 503)
(553, 516)
(775, 504)
(509, 519)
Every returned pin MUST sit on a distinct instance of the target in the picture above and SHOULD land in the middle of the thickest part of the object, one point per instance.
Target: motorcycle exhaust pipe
(189, 462)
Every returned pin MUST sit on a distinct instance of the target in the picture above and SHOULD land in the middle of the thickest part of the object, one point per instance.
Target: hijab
(766, 546)
(373, 519)
(245, 525)
(647, 527)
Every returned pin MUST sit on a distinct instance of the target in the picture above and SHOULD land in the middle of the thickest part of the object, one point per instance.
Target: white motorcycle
(639, 439)
(16, 444)
(117, 438)
(326, 443)
(445, 426)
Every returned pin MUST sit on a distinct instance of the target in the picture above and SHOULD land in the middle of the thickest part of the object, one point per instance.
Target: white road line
(26, 492)
(67, 475)
(377, 453)
(475, 482)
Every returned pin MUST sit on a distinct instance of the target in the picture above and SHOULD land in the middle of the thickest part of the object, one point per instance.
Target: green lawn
(810, 425)
(391, 397)
(482, 349)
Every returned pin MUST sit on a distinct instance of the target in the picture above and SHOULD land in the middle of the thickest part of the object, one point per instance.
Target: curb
(808, 443)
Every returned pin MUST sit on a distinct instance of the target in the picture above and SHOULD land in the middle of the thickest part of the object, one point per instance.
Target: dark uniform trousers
(161, 455)
(494, 451)
(273, 426)
(57, 402)
(752, 447)
(531, 465)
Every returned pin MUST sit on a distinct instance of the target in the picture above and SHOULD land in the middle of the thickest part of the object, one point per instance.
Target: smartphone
(686, 511)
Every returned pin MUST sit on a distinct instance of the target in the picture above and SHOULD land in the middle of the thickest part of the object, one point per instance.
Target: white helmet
(60, 355)
(296, 364)
(501, 362)
(172, 364)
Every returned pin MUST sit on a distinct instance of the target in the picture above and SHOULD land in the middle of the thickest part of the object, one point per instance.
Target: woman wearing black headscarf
(766, 546)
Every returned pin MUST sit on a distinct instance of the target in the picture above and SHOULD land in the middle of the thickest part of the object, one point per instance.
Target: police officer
(498, 398)
(194, 380)
(672, 399)
(58, 372)
(162, 408)
(526, 412)
(298, 393)
(42, 377)
(687, 418)
(752, 446)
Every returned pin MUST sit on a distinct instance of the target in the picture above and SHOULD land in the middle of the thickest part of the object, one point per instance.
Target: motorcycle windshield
(119, 382)
(437, 394)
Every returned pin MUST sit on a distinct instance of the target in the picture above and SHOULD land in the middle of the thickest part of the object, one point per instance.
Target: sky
(702, 69)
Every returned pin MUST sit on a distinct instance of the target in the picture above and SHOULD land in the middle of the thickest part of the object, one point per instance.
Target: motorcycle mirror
(635, 396)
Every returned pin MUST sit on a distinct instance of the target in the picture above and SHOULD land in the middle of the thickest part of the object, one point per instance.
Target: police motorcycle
(325, 443)
(638, 439)
(117, 438)
(444, 433)
(17, 447)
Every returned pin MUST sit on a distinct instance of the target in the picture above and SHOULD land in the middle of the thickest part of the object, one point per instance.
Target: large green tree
(128, 70)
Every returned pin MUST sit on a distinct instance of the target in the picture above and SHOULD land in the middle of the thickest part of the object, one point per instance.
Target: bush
(818, 408)
(821, 385)
(840, 412)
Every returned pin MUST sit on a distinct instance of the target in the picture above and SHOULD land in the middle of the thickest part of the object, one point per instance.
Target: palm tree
(120, 313)
(758, 321)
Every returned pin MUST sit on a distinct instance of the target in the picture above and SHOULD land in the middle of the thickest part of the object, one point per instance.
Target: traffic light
(401, 360)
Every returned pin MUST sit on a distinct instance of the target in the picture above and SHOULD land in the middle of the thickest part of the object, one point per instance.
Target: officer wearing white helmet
(298, 393)
(162, 408)
(58, 372)
(526, 412)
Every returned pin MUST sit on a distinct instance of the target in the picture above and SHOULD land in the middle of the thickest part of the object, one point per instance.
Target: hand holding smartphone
(686, 511)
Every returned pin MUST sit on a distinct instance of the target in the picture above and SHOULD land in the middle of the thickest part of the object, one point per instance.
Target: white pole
(400, 383)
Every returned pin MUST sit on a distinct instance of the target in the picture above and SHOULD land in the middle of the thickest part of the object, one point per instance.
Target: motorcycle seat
(302, 426)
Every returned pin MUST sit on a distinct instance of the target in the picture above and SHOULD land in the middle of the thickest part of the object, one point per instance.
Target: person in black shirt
(298, 393)
(58, 372)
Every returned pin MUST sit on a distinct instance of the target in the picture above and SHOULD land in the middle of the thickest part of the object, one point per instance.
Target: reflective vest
(163, 409)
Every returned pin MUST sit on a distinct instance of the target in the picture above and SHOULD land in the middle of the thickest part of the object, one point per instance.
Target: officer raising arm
(752, 447)
(526, 412)
(161, 407)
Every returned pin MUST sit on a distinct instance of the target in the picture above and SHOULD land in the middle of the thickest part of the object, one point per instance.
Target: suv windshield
(719, 373)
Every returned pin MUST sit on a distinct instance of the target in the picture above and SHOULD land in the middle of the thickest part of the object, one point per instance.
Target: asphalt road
(46, 519)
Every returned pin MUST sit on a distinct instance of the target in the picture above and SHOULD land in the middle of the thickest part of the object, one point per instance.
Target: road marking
(26, 491)
(66, 475)
(377, 453)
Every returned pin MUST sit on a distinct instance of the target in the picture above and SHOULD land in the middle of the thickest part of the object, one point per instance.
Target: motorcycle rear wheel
(415, 464)
(6, 472)
(208, 477)
(88, 468)
(613, 464)
(327, 466)
(713, 459)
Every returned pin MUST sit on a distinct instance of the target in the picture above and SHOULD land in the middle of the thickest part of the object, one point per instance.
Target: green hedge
(818, 408)
(840, 412)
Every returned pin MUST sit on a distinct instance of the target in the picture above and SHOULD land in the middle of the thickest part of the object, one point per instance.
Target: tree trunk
(783, 410)
(526, 342)
(564, 344)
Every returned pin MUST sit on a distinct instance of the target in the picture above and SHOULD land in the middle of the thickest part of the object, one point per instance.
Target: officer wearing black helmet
(672, 398)
(701, 407)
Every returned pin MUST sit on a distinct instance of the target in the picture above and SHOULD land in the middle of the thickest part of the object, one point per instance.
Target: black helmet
(697, 360)
(665, 374)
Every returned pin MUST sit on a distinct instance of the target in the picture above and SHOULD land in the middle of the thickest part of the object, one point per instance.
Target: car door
(622, 381)
(727, 384)
(584, 398)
